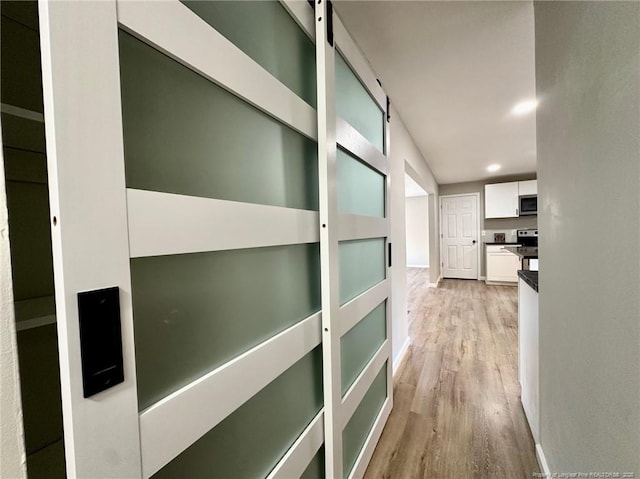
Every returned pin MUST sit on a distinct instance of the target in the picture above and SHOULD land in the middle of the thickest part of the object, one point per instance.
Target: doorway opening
(416, 205)
(416, 225)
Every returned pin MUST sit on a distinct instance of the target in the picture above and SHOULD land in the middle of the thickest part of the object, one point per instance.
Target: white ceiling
(454, 70)
(411, 188)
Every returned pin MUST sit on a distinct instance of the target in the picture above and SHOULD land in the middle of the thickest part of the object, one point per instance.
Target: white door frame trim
(477, 195)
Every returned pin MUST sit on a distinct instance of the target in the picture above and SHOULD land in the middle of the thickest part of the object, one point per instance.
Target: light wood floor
(457, 410)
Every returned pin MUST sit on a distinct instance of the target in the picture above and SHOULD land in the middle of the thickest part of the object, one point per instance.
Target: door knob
(474, 241)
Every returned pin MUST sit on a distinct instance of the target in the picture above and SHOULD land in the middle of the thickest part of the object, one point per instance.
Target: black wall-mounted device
(100, 339)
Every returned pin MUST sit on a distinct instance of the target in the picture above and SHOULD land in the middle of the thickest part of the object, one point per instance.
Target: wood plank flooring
(457, 410)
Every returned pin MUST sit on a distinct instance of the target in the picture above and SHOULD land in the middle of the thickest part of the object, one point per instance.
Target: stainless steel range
(528, 237)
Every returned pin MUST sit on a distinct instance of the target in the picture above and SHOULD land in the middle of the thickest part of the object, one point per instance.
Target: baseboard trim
(424, 266)
(500, 283)
(435, 285)
(482, 278)
(402, 355)
(542, 461)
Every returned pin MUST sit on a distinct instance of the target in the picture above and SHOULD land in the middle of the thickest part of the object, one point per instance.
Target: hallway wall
(405, 156)
(588, 84)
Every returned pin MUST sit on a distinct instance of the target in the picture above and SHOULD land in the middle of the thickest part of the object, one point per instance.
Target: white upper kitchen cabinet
(528, 187)
(501, 200)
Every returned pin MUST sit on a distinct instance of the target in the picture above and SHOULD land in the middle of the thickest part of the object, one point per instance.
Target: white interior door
(460, 246)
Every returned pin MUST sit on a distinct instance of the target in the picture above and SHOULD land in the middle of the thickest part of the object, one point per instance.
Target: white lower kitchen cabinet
(528, 355)
(502, 266)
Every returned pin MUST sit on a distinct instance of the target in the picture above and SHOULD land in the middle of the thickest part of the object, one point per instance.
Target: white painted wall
(12, 454)
(588, 146)
(405, 157)
(417, 230)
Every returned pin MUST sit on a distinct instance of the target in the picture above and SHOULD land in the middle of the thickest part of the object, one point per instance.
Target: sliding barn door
(218, 200)
(353, 134)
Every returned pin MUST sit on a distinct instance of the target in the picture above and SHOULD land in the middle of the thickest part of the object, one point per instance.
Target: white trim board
(329, 264)
(352, 227)
(424, 266)
(542, 461)
(401, 356)
(164, 223)
(355, 144)
(89, 242)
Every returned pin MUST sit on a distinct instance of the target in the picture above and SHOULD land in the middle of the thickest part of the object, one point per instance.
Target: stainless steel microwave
(528, 205)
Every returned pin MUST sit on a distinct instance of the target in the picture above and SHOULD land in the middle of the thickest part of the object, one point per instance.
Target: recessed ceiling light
(524, 107)
(494, 167)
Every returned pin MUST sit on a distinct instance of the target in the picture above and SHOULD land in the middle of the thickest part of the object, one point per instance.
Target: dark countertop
(530, 277)
(494, 243)
(525, 252)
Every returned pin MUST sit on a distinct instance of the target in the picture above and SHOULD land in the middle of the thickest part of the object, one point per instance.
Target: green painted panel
(184, 134)
(316, 468)
(360, 343)
(357, 429)
(360, 188)
(253, 439)
(194, 312)
(361, 266)
(270, 36)
(355, 105)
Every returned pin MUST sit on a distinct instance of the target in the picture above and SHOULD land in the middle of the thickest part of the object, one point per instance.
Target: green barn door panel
(355, 105)
(362, 265)
(184, 134)
(267, 33)
(357, 429)
(361, 189)
(250, 442)
(195, 312)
